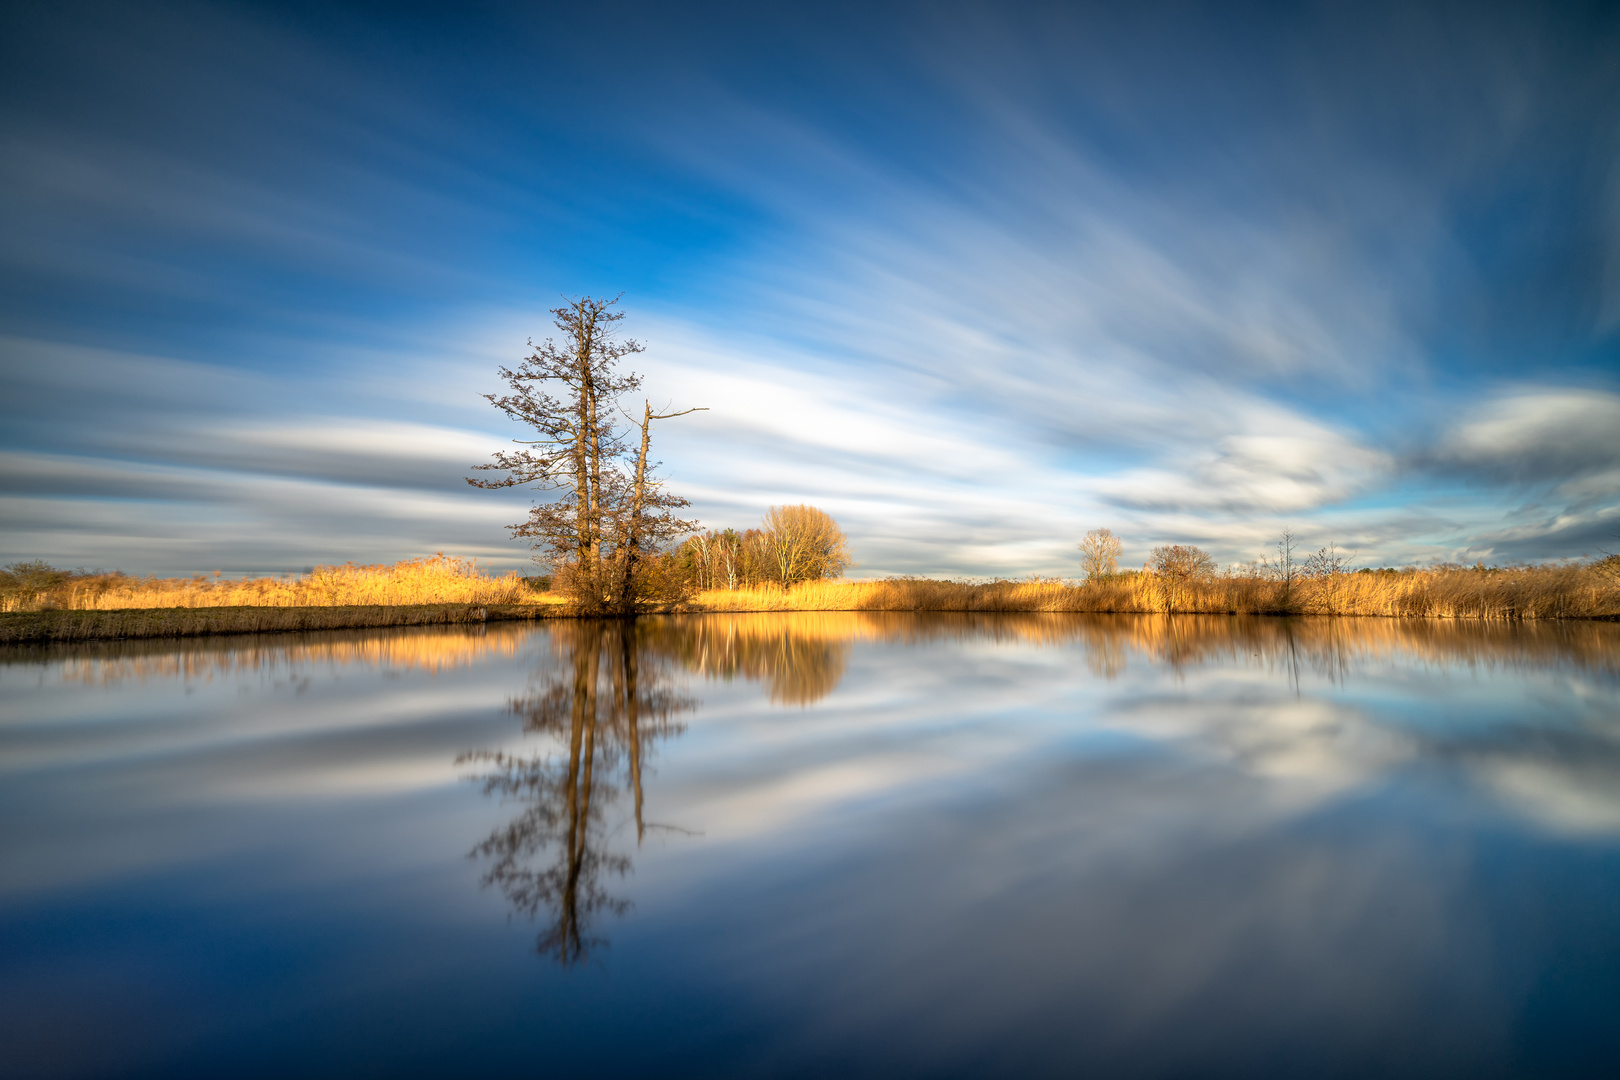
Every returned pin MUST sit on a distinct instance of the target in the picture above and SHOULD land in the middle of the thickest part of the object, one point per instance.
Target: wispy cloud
(1033, 272)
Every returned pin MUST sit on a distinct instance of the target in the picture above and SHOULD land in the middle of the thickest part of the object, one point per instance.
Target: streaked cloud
(1036, 271)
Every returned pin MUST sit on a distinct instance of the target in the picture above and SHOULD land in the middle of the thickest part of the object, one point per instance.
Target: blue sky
(973, 278)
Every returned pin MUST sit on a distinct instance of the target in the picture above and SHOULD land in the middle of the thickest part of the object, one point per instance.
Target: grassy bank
(1539, 592)
(37, 627)
(79, 607)
(440, 579)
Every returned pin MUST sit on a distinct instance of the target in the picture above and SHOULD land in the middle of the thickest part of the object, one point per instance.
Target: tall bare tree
(609, 510)
(1285, 569)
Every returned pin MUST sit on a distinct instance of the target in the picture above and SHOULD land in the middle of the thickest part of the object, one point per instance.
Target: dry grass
(439, 579)
(1537, 592)
(68, 626)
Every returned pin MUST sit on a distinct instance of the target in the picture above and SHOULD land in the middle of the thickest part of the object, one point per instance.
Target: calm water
(818, 845)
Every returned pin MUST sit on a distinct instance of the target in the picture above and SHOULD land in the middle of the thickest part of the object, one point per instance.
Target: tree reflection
(610, 699)
(603, 713)
(801, 658)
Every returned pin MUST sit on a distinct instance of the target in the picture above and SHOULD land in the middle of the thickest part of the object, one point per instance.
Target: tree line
(793, 544)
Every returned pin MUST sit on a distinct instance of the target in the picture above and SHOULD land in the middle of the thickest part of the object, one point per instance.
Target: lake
(817, 845)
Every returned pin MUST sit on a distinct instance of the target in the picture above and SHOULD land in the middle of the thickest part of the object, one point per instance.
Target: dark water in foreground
(818, 845)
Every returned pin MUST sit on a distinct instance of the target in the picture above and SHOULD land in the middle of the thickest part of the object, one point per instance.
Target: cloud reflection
(1138, 845)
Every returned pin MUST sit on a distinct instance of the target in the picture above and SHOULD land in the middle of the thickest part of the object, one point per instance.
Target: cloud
(1257, 474)
(974, 299)
(1538, 434)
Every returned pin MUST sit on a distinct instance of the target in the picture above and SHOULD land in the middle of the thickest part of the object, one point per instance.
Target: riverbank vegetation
(1553, 591)
(438, 579)
(59, 626)
(1526, 592)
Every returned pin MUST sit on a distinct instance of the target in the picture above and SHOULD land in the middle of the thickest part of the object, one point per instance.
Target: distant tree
(610, 512)
(803, 543)
(1099, 554)
(1183, 562)
(1284, 570)
(1608, 564)
(793, 544)
(1327, 569)
(1179, 567)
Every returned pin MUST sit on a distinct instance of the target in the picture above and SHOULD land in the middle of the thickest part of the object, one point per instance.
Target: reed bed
(438, 579)
(69, 626)
(1533, 592)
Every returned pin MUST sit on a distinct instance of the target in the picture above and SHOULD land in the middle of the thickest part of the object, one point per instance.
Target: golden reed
(440, 579)
(1539, 592)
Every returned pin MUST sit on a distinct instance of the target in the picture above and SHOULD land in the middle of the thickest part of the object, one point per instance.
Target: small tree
(610, 511)
(1284, 569)
(1099, 554)
(1327, 568)
(1178, 567)
(802, 543)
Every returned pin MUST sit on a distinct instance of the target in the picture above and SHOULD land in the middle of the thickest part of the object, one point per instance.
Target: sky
(973, 278)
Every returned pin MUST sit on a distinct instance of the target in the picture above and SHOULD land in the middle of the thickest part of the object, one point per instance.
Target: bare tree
(1178, 567)
(1099, 554)
(650, 521)
(1327, 568)
(803, 543)
(1284, 570)
(608, 511)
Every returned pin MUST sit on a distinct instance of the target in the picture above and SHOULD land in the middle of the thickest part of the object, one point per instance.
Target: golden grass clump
(439, 579)
(42, 628)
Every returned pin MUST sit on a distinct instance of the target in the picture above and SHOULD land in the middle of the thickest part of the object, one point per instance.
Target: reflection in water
(613, 701)
(802, 657)
(805, 655)
(607, 709)
(971, 845)
(203, 659)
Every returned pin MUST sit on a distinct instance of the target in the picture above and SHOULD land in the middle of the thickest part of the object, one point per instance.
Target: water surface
(819, 844)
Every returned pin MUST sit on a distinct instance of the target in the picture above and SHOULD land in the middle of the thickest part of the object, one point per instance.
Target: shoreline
(68, 626)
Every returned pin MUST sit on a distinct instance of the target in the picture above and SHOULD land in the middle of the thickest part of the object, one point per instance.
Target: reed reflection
(419, 649)
(804, 656)
(607, 709)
